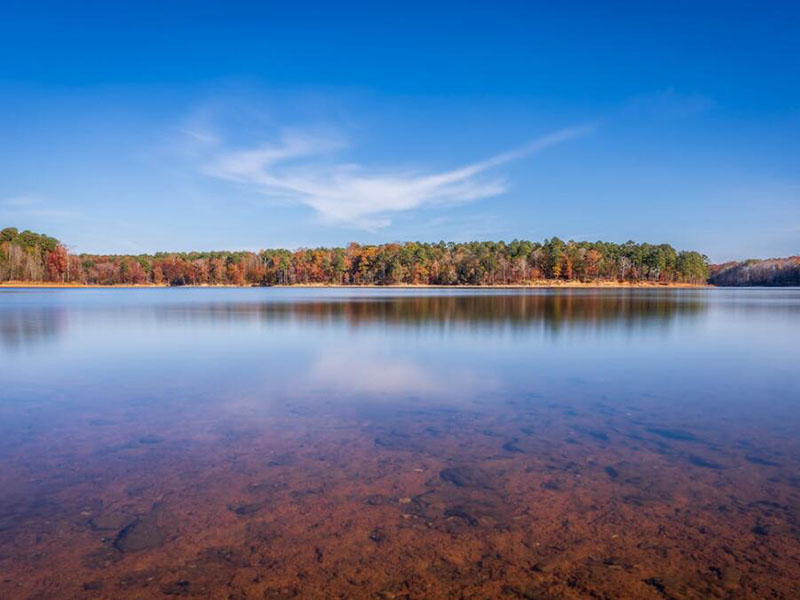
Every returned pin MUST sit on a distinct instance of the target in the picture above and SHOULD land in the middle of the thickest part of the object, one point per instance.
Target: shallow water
(280, 443)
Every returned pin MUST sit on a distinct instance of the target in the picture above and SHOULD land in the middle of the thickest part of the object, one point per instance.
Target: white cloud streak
(31, 206)
(19, 202)
(298, 169)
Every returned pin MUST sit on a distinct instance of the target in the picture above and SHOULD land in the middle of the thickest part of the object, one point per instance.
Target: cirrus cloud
(301, 168)
(31, 206)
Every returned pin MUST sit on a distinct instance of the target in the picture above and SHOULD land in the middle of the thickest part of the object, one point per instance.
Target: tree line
(32, 257)
(769, 272)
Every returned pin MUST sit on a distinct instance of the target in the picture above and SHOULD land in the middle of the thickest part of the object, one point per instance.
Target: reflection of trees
(21, 328)
(549, 310)
(553, 310)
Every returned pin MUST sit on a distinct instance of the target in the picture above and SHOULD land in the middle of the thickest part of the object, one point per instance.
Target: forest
(769, 272)
(34, 257)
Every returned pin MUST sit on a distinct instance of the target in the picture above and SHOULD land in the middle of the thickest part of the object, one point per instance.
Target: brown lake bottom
(544, 502)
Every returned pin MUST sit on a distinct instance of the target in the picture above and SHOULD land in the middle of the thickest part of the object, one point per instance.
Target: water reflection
(22, 327)
(21, 330)
(554, 311)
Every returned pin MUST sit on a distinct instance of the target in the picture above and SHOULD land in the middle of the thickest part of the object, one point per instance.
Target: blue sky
(134, 127)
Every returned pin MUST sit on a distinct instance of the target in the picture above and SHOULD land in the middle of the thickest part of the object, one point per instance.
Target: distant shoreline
(534, 284)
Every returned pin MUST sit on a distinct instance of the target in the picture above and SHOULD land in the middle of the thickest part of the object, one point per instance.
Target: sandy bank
(533, 284)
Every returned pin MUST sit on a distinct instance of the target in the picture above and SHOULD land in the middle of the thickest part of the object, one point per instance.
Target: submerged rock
(377, 500)
(281, 460)
(461, 514)
(511, 446)
(378, 535)
(178, 588)
(222, 557)
(757, 460)
(111, 521)
(597, 434)
(150, 439)
(699, 461)
(673, 434)
(467, 477)
(396, 441)
(246, 509)
(93, 585)
(143, 534)
(8, 522)
(102, 558)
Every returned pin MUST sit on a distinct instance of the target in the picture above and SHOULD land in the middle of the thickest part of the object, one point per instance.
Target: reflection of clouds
(339, 371)
(357, 374)
(337, 376)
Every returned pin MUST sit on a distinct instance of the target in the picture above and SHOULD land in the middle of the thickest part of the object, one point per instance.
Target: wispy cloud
(31, 206)
(301, 168)
(19, 202)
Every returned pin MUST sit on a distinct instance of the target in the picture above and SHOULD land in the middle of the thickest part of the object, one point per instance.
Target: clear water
(260, 443)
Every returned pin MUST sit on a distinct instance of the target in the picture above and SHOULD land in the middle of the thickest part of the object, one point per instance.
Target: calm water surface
(289, 443)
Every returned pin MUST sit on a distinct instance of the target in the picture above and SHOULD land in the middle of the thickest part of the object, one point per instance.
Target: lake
(399, 443)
